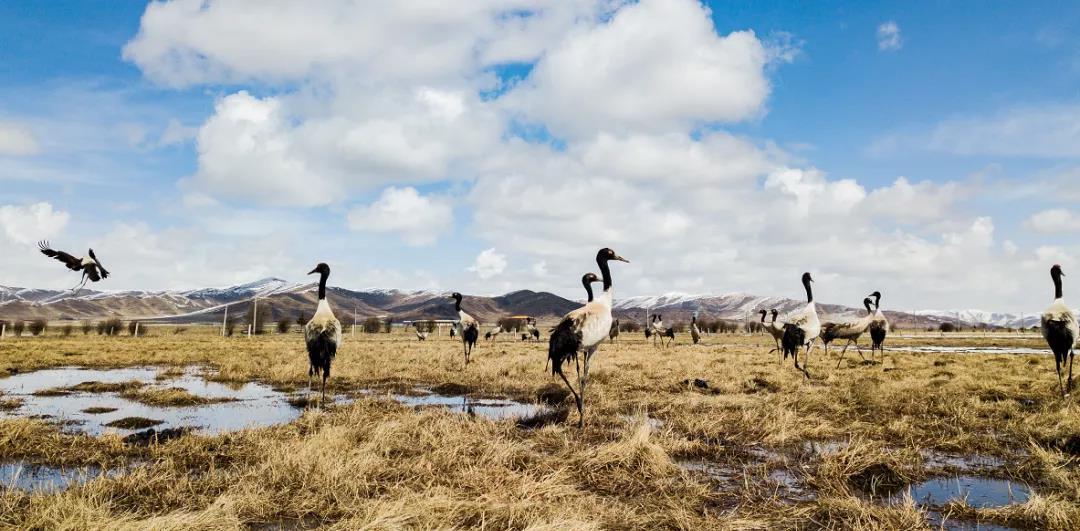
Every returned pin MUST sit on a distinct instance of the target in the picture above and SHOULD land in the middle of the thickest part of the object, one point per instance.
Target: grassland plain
(792, 452)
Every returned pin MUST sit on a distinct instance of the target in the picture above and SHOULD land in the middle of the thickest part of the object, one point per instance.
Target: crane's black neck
(763, 314)
(877, 301)
(457, 304)
(605, 273)
(809, 292)
(866, 303)
(588, 289)
(1056, 275)
(322, 284)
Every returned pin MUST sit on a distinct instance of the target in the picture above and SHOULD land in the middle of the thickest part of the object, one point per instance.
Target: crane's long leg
(1071, 355)
(577, 398)
(581, 386)
(841, 357)
(1057, 363)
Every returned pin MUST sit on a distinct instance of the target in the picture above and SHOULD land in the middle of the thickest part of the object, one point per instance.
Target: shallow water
(932, 349)
(490, 408)
(254, 404)
(37, 478)
(978, 492)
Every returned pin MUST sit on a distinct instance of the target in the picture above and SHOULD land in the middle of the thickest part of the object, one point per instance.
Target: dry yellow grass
(376, 464)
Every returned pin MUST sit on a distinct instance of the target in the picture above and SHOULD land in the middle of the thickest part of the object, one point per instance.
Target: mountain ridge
(285, 298)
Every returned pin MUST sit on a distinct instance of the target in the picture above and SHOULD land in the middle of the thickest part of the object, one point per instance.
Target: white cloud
(176, 132)
(1049, 131)
(1054, 221)
(420, 220)
(31, 223)
(634, 73)
(16, 139)
(888, 37)
(488, 264)
(185, 42)
(357, 97)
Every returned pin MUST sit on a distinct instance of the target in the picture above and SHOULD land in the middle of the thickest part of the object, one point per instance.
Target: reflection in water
(254, 404)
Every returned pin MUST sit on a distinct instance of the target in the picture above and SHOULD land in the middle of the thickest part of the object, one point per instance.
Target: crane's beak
(621, 259)
(313, 271)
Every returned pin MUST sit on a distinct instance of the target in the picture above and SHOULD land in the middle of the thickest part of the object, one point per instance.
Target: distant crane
(322, 333)
(802, 328)
(470, 329)
(1060, 329)
(879, 328)
(849, 330)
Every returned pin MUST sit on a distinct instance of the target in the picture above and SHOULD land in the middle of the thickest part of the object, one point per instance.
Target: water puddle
(251, 404)
(975, 491)
(41, 478)
(929, 349)
(489, 408)
(960, 463)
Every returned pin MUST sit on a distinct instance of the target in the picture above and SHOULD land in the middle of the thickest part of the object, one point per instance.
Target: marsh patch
(216, 407)
(98, 410)
(133, 423)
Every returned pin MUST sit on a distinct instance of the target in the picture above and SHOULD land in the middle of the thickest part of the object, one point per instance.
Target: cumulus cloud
(633, 73)
(16, 139)
(1053, 221)
(360, 97)
(26, 224)
(888, 37)
(488, 264)
(418, 219)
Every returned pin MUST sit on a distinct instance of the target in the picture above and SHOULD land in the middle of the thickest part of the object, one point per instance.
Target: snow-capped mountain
(283, 298)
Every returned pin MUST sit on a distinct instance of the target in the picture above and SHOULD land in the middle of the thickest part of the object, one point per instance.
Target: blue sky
(924, 149)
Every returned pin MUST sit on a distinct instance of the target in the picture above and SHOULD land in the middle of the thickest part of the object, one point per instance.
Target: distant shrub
(372, 325)
(425, 326)
(258, 320)
(38, 326)
(947, 327)
(301, 319)
(630, 326)
(110, 327)
(283, 325)
(18, 327)
(133, 328)
(87, 326)
(67, 329)
(388, 325)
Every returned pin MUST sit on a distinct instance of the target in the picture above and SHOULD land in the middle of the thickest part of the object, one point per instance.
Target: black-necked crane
(322, 333)
(802, 328)
(613, 334)
(90, 266)
(695, 334)
(776, 330)
(470, 328)
(583, 330)
(421, 336)
(587, 281)
(531, 330)
(879, 328)
(1060, 329)
(849, 330)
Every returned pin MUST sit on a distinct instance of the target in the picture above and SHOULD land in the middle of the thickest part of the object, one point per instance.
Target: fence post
(136, 329)
(3, 330)
(224, 320)
(249, 331)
